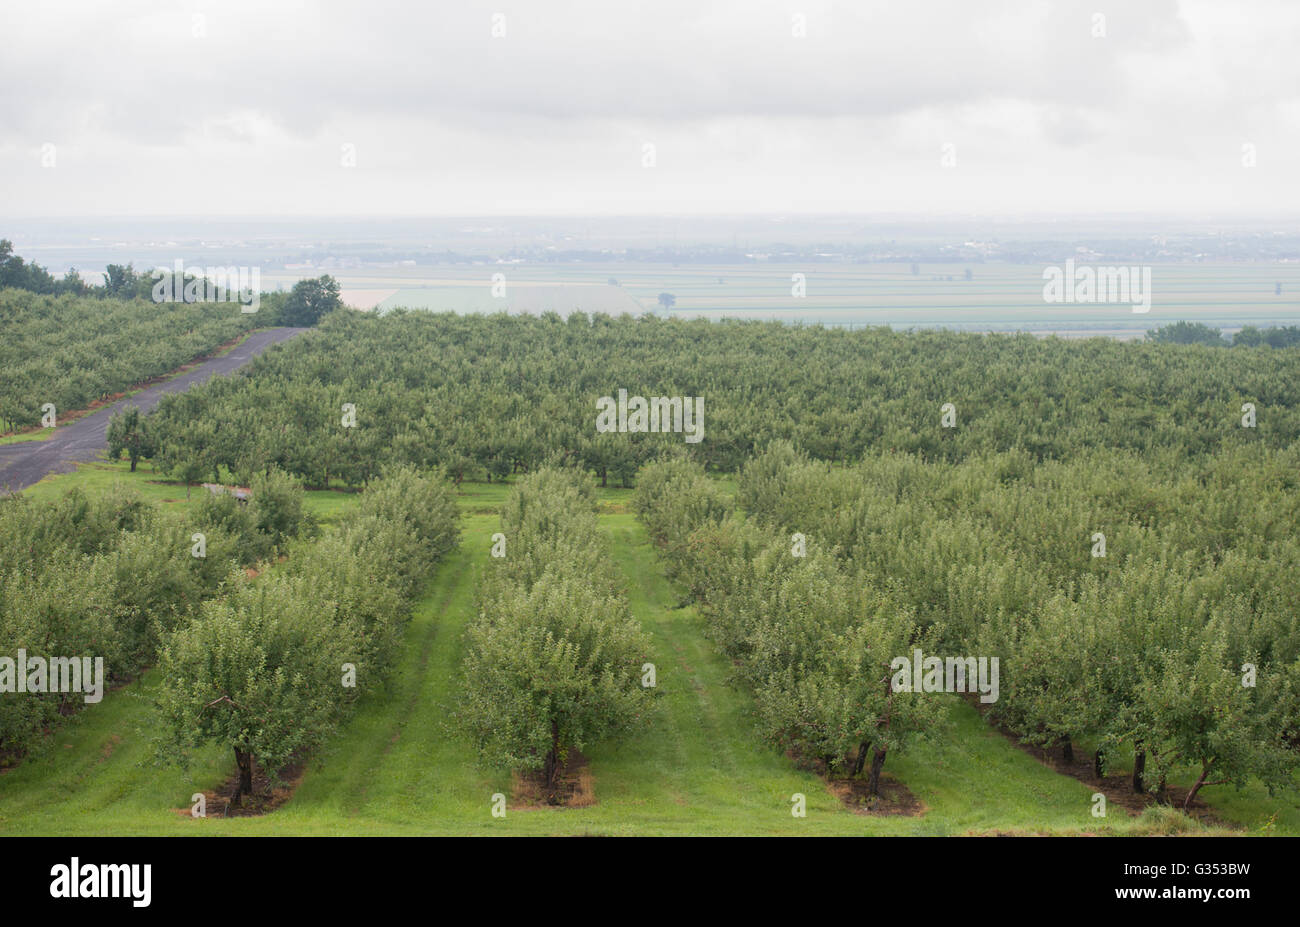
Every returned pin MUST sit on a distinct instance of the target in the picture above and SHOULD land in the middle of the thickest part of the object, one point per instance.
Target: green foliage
(261, 670)
(32, 532)
(113, 577)
(15, 272)
(1187, 333)
(673, 498)
(71, 350)
(276, 508)
(1145, 648)
(222, 513)
(490, 396)
(129, 432)
(309, 301)
(121, 281)
(108, 579)
(552, 669)
(262, 526)
(813, 640)
(1279, 337)
(423, 506)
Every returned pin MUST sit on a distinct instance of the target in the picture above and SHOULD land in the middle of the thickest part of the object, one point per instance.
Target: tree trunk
(244, 760)
(862, 758)
(1139, 767)
(1187, 803)
(548, 771)
(604, 475)
(877, 764)
(1067, 751)
(133, 460)
(552, 756)
(1096, 764)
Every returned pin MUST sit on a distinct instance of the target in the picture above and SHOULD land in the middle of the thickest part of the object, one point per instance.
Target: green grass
(400, 767)
(43, 434)
(102, 475)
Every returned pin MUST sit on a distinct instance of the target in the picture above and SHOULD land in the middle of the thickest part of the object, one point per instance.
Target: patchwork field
(998, 297)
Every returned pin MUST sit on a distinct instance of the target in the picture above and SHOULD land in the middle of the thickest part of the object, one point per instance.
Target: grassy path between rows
(399, 767)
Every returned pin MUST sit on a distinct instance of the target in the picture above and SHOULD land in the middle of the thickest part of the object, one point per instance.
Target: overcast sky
(200, 107)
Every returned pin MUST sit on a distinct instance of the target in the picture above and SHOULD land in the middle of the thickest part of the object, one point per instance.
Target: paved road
(24, 463)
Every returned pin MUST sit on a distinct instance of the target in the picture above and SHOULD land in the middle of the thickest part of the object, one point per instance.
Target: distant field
(999, 297)
(532, 297)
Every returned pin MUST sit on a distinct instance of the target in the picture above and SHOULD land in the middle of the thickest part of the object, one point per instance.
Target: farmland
(998, 297)
(498, 577)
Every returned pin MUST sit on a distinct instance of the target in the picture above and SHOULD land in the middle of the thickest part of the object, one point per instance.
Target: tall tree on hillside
(120, 280)
(310, 300)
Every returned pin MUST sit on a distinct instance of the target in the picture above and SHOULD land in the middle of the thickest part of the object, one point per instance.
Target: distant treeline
(303, 305)
(121, 281)
(1249, 336)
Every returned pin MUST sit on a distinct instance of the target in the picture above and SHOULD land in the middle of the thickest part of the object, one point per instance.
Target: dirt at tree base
(574, 787)
(1118, 788)
(894, 798)
(264, 799)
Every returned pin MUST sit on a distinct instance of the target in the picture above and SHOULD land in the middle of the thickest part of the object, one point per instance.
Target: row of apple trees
(554, 660)
(813, 643)
(111, 577)
(271, 668)
(69, 351)
(1141, 605)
